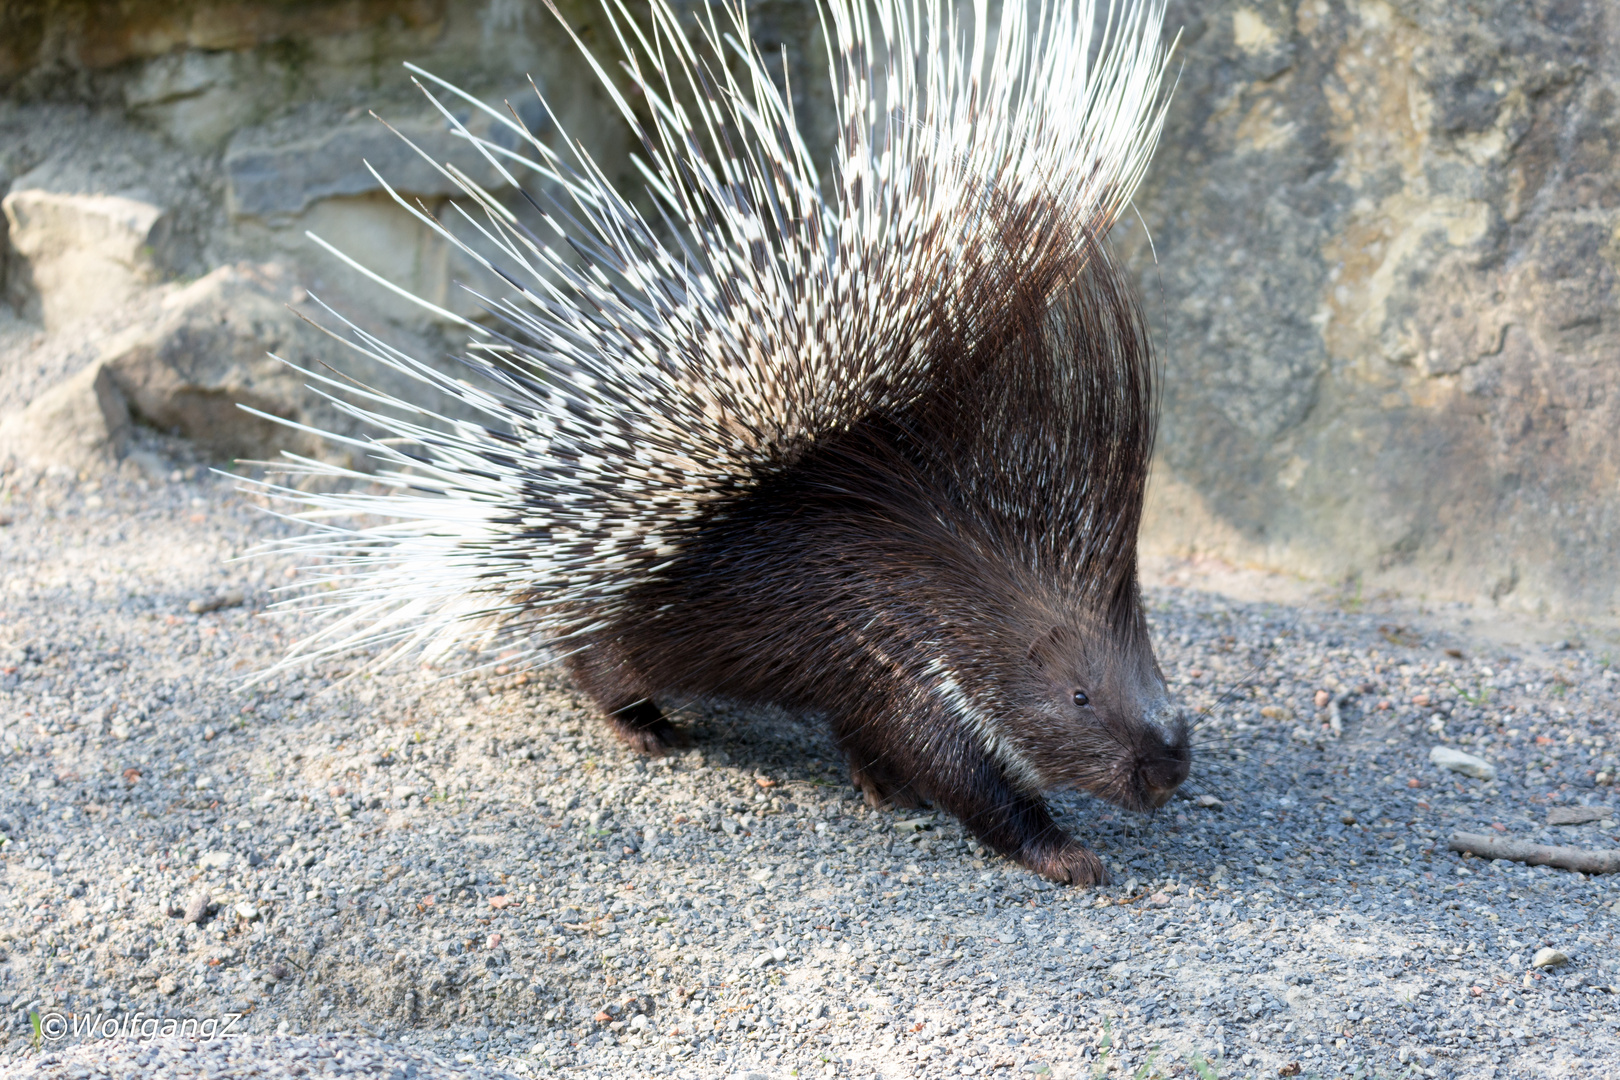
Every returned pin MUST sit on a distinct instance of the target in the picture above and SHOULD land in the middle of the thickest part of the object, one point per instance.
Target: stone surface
(219, 1050)
(226, 341)
(81, 425)
(904, 953)
(1386, 289)
(1457, 761)
(84, 253)
(283, 179)
(262, 108)
(43, 43)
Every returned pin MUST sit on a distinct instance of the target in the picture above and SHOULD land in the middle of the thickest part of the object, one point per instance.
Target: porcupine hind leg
(881, 786)
(603, 674)
(963, 780)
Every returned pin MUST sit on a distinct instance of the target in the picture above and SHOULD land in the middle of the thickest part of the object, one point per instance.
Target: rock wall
(1385, 235)
(1386, 280)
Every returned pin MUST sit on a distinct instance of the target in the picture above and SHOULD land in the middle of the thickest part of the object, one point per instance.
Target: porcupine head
(869, 445)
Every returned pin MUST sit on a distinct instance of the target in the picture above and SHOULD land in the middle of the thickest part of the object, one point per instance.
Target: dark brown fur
(977, 544)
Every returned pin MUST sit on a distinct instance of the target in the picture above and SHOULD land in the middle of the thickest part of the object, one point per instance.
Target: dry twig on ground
(1565, 858)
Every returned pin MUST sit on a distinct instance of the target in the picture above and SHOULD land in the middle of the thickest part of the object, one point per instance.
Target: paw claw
(645, 730)
(1070, 864)
(656, 740)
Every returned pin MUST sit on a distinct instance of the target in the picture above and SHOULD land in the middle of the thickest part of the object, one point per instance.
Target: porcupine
(872, 451)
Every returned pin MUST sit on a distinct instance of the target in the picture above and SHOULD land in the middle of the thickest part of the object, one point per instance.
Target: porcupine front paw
(645, 729)
(1065, 862)
(1017, 825)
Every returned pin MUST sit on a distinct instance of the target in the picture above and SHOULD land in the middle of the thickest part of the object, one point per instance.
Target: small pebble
(1578, 815)
(1549, 958)
(215, 860)
(1457, 761)
(196, 909)
(219, 601)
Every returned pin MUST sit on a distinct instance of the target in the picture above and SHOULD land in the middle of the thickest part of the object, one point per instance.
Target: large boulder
(232, 339)
(81, 425)
(84, 254)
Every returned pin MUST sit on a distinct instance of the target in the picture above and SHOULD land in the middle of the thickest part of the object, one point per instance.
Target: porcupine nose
(1163, 773)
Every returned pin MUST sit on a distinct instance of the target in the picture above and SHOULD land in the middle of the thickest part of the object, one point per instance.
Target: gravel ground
(426, 874)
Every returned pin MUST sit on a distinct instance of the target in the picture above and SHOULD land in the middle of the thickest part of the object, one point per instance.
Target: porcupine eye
(1081, 699)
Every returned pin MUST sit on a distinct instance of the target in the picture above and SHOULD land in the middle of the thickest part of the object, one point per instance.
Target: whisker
(1212, 712)
(1226, 766)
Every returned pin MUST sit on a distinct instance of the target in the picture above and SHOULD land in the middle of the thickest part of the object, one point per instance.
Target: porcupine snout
(1163, 758)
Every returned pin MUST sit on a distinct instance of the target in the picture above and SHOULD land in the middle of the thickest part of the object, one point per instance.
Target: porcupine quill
(870, 448)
